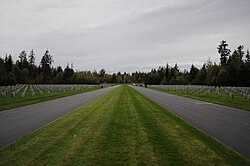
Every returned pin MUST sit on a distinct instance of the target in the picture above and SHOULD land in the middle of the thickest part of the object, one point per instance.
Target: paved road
(18, 122)
(229, 125)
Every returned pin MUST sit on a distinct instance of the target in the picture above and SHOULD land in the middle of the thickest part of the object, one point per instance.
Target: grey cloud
(182, 33)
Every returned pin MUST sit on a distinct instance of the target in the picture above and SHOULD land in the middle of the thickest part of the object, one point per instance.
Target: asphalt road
(18, 122)
(230, 126)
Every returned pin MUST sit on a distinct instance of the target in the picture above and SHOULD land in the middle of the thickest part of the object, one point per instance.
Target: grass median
(121, 128)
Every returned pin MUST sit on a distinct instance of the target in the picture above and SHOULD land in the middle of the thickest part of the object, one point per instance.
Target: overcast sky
(123, 35)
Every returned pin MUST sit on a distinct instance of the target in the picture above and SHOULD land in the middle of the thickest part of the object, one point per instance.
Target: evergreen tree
(102, 73)
(113, 79)
(46, 63)
(18, 73)
(67, 75)
(46, 60)
(161, 72)
(166, 78)
(23, 62)
(223, 51)
(193, 73)
(8, 62)
(32, 67)
(240, 53)
(3, 72)
(247, 57)
(247, 70)
(32, 57)
(201, 76)
(235, 67)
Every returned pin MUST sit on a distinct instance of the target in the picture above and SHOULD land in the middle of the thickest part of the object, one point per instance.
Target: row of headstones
(32, 91)
(244, 91)
(24, 92)
(230, 91)
(188, 88)
(14, 90)
(25, 87)
(9, 88)
(14, 93)
(59, 88)
(39, 90)
(4, 90)
(245, 95)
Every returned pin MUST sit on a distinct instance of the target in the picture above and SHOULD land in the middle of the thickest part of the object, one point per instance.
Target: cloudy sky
(123, 35)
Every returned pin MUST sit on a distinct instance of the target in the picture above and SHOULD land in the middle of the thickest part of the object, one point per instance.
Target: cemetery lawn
(237, 102)
(120, 128)
(8, 102)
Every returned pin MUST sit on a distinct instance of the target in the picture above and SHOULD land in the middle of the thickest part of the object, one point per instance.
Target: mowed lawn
(120, 128)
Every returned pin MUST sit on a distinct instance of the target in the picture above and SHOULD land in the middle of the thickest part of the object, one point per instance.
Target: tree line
(233, 70)
(24, 71)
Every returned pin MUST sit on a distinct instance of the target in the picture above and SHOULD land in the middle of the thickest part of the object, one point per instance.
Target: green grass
(8, 102)
(237, 102)
(120, 128)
